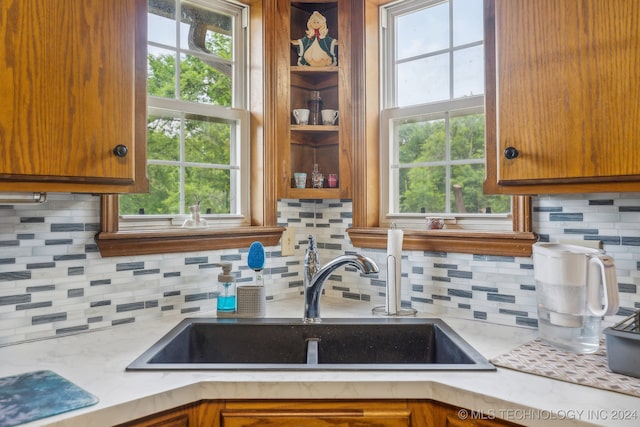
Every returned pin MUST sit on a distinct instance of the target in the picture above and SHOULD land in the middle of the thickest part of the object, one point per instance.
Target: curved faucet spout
(315, 283)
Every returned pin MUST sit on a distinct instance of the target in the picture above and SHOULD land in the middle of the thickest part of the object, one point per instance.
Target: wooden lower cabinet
(318, 413)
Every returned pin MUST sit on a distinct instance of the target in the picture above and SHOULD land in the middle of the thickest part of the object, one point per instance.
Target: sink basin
(290, 344)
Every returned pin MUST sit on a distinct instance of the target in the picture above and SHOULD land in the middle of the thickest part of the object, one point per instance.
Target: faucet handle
(312, 242)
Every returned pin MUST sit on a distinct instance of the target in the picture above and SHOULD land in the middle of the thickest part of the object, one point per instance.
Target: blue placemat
(39, 394)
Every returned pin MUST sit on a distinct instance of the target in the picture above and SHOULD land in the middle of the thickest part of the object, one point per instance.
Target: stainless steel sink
(290, 344)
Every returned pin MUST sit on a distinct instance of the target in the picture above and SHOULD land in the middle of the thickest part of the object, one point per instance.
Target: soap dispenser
(227, 290)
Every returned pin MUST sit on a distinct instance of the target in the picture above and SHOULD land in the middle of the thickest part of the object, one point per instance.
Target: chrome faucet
(315, 276)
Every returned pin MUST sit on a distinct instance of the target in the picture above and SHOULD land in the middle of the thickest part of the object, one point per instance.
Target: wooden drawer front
(315, 418)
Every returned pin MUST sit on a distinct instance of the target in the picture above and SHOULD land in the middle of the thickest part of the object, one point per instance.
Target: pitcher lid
(558, 249)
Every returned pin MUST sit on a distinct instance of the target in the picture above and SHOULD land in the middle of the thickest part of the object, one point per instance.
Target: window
(198, 129)
(432, 118)
(444, 112)
(198, 120)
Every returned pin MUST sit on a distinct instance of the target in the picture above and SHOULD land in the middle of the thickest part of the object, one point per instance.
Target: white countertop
(96, 361)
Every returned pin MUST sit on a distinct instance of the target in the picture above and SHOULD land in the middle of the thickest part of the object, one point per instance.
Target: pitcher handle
(609, 282)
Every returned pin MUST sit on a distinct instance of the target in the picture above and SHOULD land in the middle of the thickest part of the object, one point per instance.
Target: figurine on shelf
(195, 221)
(316, 48)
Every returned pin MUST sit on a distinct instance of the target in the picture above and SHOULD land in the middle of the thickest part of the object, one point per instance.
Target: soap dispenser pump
(227, 290)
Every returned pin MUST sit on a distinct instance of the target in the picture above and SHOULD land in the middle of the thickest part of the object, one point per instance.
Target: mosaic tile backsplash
(53, 280)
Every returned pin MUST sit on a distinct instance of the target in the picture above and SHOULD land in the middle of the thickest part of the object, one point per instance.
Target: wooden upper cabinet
(563, 91)
(73, 89)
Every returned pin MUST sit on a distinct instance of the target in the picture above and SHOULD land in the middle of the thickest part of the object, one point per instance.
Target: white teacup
(329, 117)
(301, 115)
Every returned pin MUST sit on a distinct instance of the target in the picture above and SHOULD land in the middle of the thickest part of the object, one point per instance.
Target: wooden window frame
(263, 204)
(366, 231)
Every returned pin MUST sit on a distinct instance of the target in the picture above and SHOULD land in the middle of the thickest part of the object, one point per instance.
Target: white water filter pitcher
(575, 287)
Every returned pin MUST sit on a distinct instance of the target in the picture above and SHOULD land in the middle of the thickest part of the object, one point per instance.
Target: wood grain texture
(124, 243)
(71, 87)
(567, 83)
(316, 413)
(511, 243)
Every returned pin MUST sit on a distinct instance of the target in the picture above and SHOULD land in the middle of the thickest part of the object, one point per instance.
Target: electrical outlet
(288, 242)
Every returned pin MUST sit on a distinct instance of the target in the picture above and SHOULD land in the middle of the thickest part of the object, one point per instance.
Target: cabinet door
(316, 414)
(562, 96)
(73, 79)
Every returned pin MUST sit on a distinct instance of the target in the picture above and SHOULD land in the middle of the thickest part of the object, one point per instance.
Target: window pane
(163, 137)
(163, 196)
(201, 82)
(161, 73)
(424, 80)
(161, 24)
(468, 72)
(205, 31)
(207, 140)
(469, 179)
(436, 148)
(467, 137)
(210, 187)
(423, 31)
(422, 141)
(193, 154)
(422, 189)
(467, 22)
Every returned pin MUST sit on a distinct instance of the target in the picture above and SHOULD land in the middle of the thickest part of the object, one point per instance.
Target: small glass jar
(317, 179)
(314, 104)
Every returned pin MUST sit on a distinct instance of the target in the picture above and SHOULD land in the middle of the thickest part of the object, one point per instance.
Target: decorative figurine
(195, 220)
(316, 48)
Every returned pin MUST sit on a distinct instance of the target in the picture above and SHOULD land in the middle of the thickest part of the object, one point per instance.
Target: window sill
(127, 243)
(512, 243)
